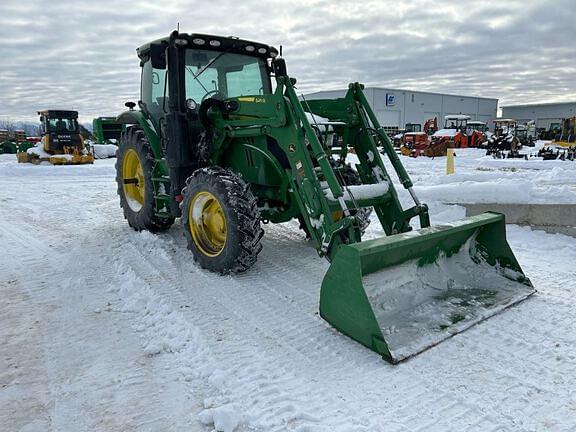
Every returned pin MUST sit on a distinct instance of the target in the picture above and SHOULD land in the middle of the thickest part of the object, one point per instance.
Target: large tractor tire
(221, 220)
(134, 165)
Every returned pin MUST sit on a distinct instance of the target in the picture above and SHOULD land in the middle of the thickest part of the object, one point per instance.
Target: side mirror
(279, 67)
(158, 56)
(130, 105)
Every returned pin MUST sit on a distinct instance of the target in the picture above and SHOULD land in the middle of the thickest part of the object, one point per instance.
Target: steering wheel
(210, 94)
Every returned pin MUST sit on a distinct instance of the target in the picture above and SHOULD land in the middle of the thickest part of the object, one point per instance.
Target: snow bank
(103, 151)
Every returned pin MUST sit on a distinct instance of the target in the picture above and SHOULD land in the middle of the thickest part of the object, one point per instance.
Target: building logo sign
(390, 99)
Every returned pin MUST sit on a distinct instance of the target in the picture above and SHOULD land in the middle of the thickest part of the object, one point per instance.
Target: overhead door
(388, 118)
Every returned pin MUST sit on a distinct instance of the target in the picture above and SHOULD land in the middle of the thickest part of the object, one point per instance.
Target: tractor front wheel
(134, 165)
(221, 220)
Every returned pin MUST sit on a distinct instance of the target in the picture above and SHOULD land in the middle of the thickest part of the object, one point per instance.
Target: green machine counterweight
(216, 144)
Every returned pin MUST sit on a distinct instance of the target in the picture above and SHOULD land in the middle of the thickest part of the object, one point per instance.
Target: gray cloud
(81, 55)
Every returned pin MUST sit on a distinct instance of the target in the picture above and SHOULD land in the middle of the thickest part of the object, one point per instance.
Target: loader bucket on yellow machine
(402, 294)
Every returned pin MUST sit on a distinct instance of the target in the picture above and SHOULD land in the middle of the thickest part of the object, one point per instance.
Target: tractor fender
(133, 117)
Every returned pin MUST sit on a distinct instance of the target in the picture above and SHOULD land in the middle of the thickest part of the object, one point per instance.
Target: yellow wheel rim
(133, 179)
(207, 224)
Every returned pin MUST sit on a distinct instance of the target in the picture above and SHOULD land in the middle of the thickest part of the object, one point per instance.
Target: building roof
(535, 105)
(410, 91)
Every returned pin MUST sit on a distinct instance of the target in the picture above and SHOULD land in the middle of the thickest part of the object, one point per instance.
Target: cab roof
(59, 113)
(457, 117)
(212, 43)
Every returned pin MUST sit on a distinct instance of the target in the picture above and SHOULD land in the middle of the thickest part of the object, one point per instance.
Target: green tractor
(106, 130)
(222, 140)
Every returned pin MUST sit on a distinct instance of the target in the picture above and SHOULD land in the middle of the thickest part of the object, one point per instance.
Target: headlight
(215, 43)
(198, 41)
(191, 104)
(262, 50)
(181, 42)
(249, 48)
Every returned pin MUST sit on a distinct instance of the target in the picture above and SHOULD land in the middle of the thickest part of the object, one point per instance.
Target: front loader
(216, 144)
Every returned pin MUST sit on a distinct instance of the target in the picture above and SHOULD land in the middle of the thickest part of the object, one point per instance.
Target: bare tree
(7, 124)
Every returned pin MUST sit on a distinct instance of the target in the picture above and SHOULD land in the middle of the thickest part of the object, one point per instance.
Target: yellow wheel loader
(61, 143)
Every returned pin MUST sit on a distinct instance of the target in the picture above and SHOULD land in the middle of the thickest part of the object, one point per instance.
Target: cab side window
(152, 90)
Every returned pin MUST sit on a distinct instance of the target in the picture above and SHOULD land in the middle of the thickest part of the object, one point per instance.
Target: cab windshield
(223, 75)
(62, 125)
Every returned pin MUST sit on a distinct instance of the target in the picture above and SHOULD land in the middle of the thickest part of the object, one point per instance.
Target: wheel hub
(207, 224)
(133, 180)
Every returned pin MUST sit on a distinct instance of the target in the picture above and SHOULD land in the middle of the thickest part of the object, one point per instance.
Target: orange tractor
(458, 133)
(477, 133)
(416, 142)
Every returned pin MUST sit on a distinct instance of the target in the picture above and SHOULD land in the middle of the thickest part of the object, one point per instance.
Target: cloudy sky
(81, 54)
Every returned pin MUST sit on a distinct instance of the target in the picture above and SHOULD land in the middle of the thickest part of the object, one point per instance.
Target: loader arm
(327, 205)
(362, 132)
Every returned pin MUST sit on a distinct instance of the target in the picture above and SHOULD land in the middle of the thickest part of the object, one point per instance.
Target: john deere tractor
(222, 140)
(61, 142)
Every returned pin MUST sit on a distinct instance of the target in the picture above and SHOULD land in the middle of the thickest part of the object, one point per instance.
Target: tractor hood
(446, 133)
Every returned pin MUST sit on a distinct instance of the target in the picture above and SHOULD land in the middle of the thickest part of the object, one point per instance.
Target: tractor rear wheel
(221, 220)
(134, 165)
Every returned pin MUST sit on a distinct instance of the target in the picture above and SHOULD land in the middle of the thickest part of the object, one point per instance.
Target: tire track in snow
(50, 278)
(277, 398)
(240, 308)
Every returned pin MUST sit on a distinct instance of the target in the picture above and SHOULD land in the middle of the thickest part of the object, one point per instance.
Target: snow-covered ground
(106, 329)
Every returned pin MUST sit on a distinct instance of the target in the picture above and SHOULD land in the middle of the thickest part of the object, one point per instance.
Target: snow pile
(483, 179)
(103, 151)
(38, 150)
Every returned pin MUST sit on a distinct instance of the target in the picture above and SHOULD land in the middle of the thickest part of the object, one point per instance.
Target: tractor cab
(458, 122)
(504, 126)
(479, 126)
(59, 130)
(203, 72)
(477, 132)
(413, 127)
(209, 77)
(454, 131)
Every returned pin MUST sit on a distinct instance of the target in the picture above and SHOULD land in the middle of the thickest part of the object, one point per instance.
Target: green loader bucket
(402, 294)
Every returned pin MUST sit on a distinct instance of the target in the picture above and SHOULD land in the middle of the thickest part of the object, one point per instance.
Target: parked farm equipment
(106, 133)
(61, 142)
(214, 144)
(566, 136)
(508, 136)
(457, 134)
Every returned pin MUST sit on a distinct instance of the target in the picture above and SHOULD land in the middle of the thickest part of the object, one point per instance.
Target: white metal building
(395, 107)
(544, 114)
